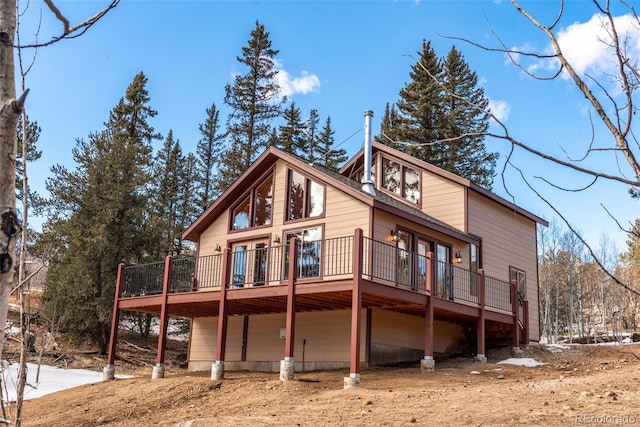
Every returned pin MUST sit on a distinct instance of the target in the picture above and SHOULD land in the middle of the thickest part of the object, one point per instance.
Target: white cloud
(500, 109)
(290, 85)
(586, 45)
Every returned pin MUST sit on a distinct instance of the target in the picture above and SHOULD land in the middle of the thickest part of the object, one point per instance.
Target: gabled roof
(356, 162)
(268, 159)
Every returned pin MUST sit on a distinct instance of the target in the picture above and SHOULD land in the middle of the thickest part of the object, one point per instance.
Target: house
(395, 260)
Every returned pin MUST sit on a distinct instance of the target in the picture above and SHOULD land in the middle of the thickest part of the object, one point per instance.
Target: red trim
(481, 319)
(291, 299)
(164, 312)
(428, 315)
(221, 343)
(356, 302)
(115, 318)
(514, 307)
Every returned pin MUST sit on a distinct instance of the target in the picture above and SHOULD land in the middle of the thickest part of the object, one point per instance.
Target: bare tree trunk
(10, 108)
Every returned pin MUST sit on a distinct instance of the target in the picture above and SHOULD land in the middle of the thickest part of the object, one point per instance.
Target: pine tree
(165, 199)
(33, 154)
(209, 152)
(332, 158)
(313, 153)
(420, 110)
(440, 104)
(388, 123)
(254, 101)
(292, 134)
(97, 217)
(465, 109)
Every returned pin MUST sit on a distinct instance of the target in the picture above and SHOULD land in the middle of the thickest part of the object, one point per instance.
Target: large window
(401, 180)
(306, 197)
(256, 208)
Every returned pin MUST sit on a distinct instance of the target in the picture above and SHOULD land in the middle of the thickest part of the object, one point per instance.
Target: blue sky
(339, 57)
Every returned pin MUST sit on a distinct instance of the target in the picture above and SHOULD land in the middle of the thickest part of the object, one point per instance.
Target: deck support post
(353, 380)
(516, 320)
(480, 330)
(428, 364)
(108, 373)
(217, 368)
(158, 370)
(287, 365)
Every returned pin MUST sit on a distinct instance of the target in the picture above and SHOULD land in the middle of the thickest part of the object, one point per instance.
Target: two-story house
(300, 268)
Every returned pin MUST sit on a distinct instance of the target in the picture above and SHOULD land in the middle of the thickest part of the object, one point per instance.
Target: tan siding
(402, 330)
(204, 337)
(443, 199)
(327, 335)
(342, 213)
(508, 240)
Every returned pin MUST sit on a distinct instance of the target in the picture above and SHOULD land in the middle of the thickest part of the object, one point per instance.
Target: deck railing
(143, 279)
(322, 259)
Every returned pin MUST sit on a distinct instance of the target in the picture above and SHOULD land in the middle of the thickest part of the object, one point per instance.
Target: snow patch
(51, 379)
(522, 361)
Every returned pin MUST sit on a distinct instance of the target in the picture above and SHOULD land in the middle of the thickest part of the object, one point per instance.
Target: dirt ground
(576, 385)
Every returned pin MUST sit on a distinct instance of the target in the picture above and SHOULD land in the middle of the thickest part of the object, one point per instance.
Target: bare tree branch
(68, 31)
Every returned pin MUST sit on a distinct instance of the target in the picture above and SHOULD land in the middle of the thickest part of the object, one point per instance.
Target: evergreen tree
(420, 110)
(313, 153)
(165, 199)
(97, 217)
(33, 154)
(292, 134)
(440, 104)
(209, 152)
(464, 113)
(388, 124)
(332, 158)
(254, 101)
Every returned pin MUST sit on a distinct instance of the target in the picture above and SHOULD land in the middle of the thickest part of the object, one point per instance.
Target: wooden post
(287, 366)
(217, 370)
(427, 364)
(158, 370)
(109, 370)
(525, 320)
(516, 323)
(480, 354)
(353, 380)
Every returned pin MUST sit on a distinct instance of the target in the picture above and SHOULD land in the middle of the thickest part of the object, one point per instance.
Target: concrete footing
(109, 373)
(217, 370)
(287, 369)
(352, 381)
(158, 371)
(427, 365)
(516, 350)
(481, 358)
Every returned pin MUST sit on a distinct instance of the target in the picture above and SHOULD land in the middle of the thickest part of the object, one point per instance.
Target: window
(401, 180)
(256, 208)
(474, 266)
(309, 252)
(521, 281)
(444, 272)
(306, 197)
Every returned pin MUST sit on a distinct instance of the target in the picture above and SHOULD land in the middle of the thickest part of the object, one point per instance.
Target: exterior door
(249, 263)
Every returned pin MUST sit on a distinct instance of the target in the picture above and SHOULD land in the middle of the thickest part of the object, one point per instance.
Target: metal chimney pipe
(367, 182)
